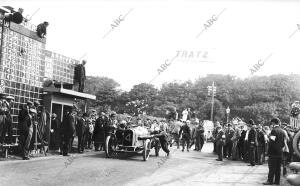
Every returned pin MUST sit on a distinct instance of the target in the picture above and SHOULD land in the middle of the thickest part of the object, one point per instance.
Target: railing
(28, 25)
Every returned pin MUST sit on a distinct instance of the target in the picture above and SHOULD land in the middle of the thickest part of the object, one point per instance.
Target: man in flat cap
(252, 141)
(6, 118)
(275, 151)
(2, 115)
(260, 145)
(54, 132)
(41, 29)
(99, 133)
(24, 111)
(185, 133)
(68, 129)
(26, 132)
(220, 142)
(81, 129)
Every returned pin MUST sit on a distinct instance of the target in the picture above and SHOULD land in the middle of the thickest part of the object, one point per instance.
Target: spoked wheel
(296, 144)
(147, 148)
(109, 147)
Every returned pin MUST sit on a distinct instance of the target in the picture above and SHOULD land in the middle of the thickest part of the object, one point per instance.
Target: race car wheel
(147, 148)
(109, 147)
(296, 144)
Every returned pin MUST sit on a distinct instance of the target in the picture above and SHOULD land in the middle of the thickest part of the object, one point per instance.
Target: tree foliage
(258, 98)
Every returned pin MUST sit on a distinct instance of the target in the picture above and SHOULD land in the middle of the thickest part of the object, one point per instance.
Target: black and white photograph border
(143, 92)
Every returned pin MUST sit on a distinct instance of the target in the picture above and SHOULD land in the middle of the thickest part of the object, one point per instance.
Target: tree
(105, 90)
(259, 98)
(145, 92)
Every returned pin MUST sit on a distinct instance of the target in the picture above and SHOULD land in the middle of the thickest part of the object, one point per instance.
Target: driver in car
(122, 125)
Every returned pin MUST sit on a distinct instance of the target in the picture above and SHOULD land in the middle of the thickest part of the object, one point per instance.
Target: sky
(151, 41)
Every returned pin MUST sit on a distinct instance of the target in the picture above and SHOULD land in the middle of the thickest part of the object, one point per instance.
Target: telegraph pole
(212, 90)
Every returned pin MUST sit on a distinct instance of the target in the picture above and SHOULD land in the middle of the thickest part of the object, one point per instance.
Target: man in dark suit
(163, 139)
(186, 135)
(80, 130)
(261, 145)
(241, 143)
(220, 141)
(54, 132)
(229, 132)
(99, 134)
(276, 144)
(252, 141)
(80, 75)
(68, 130)
(41, 29)
(199, 130)
(6, 105)
(26, 132)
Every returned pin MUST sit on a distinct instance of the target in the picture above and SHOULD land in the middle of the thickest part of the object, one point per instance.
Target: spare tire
(296, 144)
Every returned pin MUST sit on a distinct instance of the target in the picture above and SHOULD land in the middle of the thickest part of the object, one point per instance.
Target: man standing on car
(276, 145)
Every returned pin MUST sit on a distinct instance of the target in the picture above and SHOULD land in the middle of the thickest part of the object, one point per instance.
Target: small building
(26, 67)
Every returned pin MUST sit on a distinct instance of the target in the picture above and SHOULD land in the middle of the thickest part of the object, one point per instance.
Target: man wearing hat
(139, 122)
(112, 119)
(229, 132)
(276, 144)
(80, 75)
(235, 139)
(252, 141)
(36, 104)
(99, 133)
(163, 139)
(185, 131)
(199, 130)
(68, 129)
(122, 125)
(220, 142)
(24, 111)
(286, 149)
(81, 128)
(260, 145)
(26, 132)
(162, 124)
(154, 126)
(6, 121)
(54, 132)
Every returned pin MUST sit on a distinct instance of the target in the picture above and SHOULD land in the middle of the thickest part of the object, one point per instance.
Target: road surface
(181, 168)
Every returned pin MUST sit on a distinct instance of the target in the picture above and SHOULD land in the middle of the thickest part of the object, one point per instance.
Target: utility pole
(212, 91)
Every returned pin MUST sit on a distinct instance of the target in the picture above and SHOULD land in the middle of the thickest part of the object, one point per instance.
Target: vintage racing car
(136, 140)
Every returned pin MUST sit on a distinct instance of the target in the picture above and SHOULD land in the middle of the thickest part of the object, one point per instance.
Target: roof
(69, 92)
